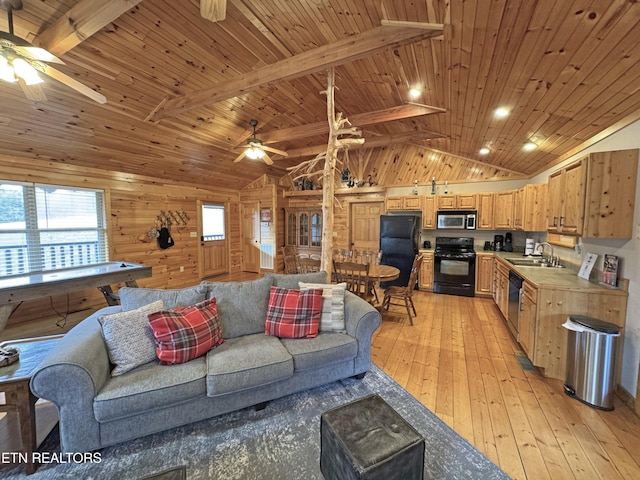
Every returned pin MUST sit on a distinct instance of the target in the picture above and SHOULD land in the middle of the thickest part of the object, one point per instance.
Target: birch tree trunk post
(328, 182)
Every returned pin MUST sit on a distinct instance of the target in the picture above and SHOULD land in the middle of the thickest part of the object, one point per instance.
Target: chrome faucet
(550, 258)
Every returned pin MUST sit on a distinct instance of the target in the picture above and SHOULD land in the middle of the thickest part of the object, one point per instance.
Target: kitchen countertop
(563, 278)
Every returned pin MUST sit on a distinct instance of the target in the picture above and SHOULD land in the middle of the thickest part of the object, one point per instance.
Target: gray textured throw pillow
(131, 298)
(332, 318)
(129, 338)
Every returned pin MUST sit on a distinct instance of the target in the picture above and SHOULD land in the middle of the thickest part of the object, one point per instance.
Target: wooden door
(446, 202)
(250, 236)
(365, 225)
(426, 272)
(555, 195)
(466, 201)
(429, 212)
(518, 209)
(503, 217)
(574, 193)
(484, 274)
(485, 211)
(214, 246)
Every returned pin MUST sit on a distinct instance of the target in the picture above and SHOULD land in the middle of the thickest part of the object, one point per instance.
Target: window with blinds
(45, 227)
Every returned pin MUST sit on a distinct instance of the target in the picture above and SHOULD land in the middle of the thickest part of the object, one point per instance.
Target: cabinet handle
(555, 221)
(562, 221)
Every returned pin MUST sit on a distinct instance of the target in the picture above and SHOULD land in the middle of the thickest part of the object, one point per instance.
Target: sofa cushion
(326, 348)
(131, 297)
(184, 333)
(242, 306)
(129, 338)
(332, 318)
(150, 387)
(293, 313)
(246, 362)
(288, 280)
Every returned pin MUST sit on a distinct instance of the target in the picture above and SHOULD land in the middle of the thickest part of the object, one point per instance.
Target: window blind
(45, 227)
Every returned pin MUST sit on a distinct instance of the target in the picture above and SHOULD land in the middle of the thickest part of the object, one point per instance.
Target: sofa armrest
(361, 320)
(70, 376)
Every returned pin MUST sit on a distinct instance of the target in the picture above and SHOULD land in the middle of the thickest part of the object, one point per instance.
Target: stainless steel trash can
(591, 358)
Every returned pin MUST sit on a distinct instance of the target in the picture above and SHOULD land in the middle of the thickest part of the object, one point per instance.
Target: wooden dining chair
(356, 276)
(404, 293)
(308, 265)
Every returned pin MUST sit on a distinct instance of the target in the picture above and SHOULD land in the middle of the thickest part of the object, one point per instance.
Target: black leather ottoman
(368, 440)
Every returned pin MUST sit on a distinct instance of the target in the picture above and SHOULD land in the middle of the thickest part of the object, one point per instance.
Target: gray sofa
(249, 368)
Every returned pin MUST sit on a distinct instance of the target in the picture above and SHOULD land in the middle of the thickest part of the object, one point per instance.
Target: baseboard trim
(628, 399)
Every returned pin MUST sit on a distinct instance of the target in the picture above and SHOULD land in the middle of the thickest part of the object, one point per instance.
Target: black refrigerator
(399, 237)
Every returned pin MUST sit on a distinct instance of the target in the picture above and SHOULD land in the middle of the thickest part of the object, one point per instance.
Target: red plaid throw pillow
(185, 333)
(294, 313)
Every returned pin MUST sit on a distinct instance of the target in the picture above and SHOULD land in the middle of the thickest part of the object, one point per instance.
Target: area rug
(281, 442)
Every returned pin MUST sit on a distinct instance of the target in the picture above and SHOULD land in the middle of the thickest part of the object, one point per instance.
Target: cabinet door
(518, 209)
(574, 192)
(394, 203)
(429, 212)
(503, 214)
(466, 201)
(426, 272)
(484, 274)
(485, 211)
(526, 332)
(555, 189)
(412, 203)
(535, 208)
(303, 230)
(446, 202)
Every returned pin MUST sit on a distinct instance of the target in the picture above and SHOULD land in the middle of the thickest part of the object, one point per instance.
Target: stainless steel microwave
(456, 219)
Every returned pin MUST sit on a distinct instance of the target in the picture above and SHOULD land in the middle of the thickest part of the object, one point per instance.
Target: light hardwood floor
(460, 360)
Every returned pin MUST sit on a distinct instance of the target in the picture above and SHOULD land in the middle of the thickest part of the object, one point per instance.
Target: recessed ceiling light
(414, 93)
(529, 146)
(484, 151)
(501, 112)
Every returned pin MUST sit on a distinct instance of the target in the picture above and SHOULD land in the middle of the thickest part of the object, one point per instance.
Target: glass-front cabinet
(304, 230)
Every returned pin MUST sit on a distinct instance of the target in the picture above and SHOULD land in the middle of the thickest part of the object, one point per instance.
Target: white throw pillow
(129, 338)
(332, 318)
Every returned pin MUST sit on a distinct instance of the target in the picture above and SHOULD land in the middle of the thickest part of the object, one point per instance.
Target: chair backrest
(415, 270)
(372, 257)
(290, 264)
(342, 255)
(308, 265)
(288, 250)
(355, 275)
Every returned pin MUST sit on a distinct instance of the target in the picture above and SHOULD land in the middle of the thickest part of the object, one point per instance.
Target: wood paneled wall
(133, 203)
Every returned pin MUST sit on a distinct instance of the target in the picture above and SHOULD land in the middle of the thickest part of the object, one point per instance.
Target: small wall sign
(265, 214)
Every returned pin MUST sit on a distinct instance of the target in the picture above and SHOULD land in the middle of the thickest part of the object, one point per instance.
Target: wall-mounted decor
(265, 214)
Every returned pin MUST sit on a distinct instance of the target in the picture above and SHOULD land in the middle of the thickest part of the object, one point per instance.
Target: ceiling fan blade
(25, 49)
(239, 157)
(214, 10)
(32, 92)
(267, 159)
(70, 82)
(274, 150)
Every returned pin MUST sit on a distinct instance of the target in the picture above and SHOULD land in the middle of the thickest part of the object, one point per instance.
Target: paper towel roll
(528, 248)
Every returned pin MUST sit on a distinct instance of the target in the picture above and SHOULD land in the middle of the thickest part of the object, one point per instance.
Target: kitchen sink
(529, 262)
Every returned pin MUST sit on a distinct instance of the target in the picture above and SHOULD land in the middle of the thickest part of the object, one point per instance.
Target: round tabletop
(384, 273)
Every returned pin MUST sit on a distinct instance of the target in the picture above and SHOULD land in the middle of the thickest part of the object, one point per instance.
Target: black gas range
(454, 269)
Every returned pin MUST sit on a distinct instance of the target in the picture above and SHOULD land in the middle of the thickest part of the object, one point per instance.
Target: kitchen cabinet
(429, 212)
(426, 271)
(530, 208)
(484, 274)
(527, 319)
(411, 202)
(501, 287)
(484, 221)
(610, 195)
(503, 210)
(460, 201)
(566, 198)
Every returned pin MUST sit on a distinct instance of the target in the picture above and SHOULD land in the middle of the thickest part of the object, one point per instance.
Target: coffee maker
(508, 243)
(498, 243)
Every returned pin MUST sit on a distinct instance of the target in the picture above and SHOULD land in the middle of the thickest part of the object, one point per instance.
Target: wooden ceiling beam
(382, 141)
(80, 22)
(359, 120)
(333, 54)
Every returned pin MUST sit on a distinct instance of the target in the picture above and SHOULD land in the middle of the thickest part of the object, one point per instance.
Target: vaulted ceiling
(181, 90)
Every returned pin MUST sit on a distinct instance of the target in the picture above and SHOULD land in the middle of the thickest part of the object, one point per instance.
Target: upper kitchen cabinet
(530, 208)
(595, 196)
(610, 196)
(485, 211)
(460, 201)
(411, 202)
(503, 210)
(429, 211)
(566, 198)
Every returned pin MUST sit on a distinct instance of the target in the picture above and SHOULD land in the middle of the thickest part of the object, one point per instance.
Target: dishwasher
(515, 294)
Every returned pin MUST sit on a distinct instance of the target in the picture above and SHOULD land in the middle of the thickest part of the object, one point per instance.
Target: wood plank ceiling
(568, 71)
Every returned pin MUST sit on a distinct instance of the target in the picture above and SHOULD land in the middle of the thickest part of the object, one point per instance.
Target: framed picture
(265, 214)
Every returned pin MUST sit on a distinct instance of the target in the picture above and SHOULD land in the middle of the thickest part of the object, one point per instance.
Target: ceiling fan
(214, 10)
(254, 149)
(20, 62)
